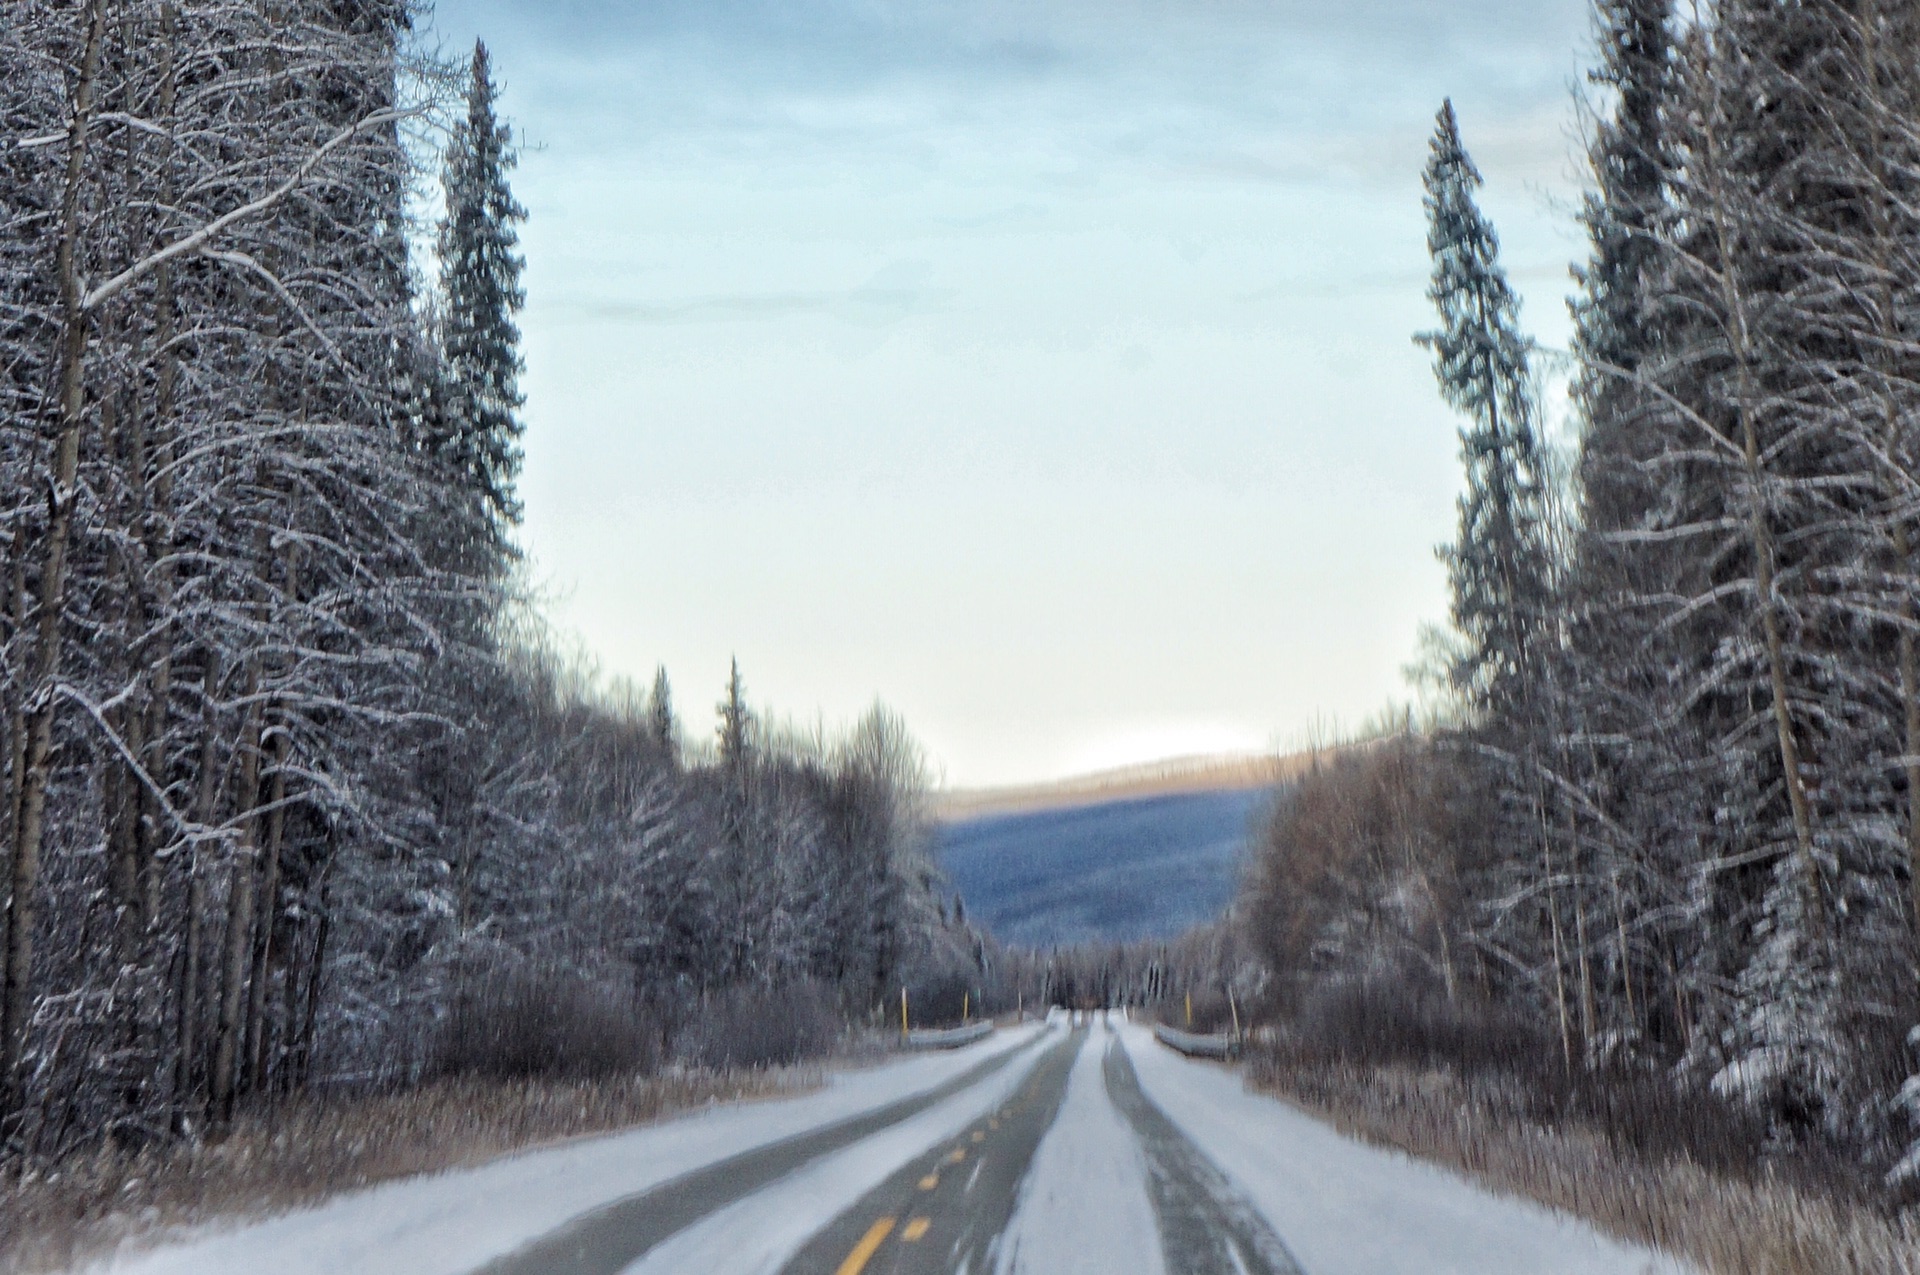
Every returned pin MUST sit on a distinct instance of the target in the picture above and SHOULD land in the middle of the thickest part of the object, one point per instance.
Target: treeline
(295, 792)
(1675, 821)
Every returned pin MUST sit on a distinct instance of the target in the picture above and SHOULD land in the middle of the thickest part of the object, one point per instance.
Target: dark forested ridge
(1111, 872)
(295, 792)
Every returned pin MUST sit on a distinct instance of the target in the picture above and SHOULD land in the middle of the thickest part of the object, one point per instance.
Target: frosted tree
(1499, 563)
(661, 724)
(1630, 801)
(480, 281)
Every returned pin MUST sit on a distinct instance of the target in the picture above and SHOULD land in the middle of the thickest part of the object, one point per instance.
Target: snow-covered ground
(450, 1223)
(1346, 1208)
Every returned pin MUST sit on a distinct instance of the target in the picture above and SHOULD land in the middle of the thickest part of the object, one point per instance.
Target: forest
(1669, 822)
(300, 794)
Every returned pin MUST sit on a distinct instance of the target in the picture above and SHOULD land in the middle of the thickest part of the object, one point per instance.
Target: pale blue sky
(1041, 368)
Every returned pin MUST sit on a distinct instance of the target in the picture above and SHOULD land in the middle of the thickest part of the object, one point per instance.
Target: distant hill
(1202, 774)
(1102, 870)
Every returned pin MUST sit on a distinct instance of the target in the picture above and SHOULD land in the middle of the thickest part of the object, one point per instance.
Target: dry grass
(1725, 1225)
(311, 1148)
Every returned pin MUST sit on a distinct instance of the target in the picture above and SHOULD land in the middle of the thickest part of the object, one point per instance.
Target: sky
(1041, 368)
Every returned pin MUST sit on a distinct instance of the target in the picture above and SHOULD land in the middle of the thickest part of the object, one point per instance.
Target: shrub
(941, 999)
(546, 1024)
(1520, 1071)
(758, 1025)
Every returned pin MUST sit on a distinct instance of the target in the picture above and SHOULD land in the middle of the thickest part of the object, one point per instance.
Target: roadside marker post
(903, 1013)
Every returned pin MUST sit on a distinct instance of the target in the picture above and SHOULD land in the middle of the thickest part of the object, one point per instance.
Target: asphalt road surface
(1074, 1148)
(951, 1208)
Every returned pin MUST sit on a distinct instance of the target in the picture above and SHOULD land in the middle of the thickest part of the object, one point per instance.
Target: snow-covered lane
(758, 1234)
(451, 1223)
(1084, 1207)
(1345, 1208)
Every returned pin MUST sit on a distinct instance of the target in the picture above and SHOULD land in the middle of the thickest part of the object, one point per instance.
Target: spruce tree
(1499, 565)
(480, 281)
(661, 725)
(736, 724)
(1624, 215)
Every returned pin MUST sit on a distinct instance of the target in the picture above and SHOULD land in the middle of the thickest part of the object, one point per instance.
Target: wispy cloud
(897, 292)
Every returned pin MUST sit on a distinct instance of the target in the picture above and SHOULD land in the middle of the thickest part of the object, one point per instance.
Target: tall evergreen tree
(480, 278)
(736, 724)
(1499, 566)
(661, 726)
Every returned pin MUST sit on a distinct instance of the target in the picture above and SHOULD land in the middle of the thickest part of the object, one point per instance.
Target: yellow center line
(863, 1251)
(915, 1229)
(978, 1136)
(929, 1182)
(956, 1155)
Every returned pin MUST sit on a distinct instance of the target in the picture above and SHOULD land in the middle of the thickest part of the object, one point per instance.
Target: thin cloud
(894, 294)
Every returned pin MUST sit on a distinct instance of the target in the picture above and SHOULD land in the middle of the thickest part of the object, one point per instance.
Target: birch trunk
(239, 936)
(22, 916)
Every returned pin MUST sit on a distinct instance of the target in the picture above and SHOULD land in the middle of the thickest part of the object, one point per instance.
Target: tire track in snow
(1085, 1207)
(1207, 1226)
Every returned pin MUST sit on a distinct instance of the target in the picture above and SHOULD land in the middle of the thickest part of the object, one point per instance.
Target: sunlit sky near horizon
(1042, 369)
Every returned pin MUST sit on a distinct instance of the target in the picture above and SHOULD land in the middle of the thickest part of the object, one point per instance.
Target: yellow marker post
(966, 1004)
(1189, 1009)
(903, 1013)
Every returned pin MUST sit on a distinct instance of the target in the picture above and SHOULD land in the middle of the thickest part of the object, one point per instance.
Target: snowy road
(1045, 1151)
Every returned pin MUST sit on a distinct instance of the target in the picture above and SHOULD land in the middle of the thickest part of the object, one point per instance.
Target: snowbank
(1345, 1208)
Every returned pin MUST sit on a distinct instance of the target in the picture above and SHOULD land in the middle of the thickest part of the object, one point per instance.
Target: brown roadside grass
(309, 1148)
(1725, 1223)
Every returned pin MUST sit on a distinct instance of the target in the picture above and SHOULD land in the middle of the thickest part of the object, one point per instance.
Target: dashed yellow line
(863, 1251)
(979, 1136)
(915, 1229)
(956, 1155)
(929, 1182)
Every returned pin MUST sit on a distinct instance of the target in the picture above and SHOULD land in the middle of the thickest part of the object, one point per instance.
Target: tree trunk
(269, 895)
(22, 916)
(1760, 534)
(239, 941)
(187, 1070)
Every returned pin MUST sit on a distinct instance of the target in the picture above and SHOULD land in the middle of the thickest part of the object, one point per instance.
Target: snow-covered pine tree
(1506, 606)
(735, 729)
(661, 725)
(1633, 811)
(480, 283)
(1500, 564)
(1782, 606)
(1624, 214)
